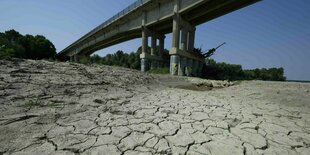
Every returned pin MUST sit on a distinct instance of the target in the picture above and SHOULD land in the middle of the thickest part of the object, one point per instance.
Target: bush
(159, 71)
(222, 71)
(271, 74)
(85, 60)
(6, 53)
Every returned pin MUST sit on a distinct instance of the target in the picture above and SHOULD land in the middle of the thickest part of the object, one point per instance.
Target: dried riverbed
(67, 108)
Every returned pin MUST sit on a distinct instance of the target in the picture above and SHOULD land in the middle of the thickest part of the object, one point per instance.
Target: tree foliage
(13, 44)
(211, 69)
(224, 71)
(122, 59)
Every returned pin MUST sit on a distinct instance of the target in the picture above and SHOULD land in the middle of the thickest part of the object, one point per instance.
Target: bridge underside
(153, 20)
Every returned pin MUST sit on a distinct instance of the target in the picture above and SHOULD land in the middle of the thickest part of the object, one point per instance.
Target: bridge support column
(184, 39)
(161, 50)
(200, 67)
(182, 66)
(191, 41)
(143, 56)
(175, 58)
(71, 59)
(174, 63)
(153, 47)
(189, 67)
(195, 67)
(76, 58)
(144, 65)
(182, 60)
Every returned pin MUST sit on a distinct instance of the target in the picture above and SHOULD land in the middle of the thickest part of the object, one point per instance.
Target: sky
(271, 33)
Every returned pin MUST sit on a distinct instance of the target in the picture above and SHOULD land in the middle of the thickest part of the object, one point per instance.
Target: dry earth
(49, 108)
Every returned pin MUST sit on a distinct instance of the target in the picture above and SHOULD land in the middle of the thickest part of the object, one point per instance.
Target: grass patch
(32, 103)
(39, 103)
(159, 71)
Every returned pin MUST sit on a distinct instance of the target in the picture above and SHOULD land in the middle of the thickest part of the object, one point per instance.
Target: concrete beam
(186, 54)
(185, 24)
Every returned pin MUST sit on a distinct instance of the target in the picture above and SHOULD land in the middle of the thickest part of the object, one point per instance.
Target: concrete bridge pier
(174, 64)
(143, 56)
(174, 57)
(183, 60)
(153, 47)
(76, 58)
(189, 67)
(144, 65)
(195, 67)
(71, 59)
(161, 63)
(157, 60)
(200, 67)
(191, 45)
(151, 60)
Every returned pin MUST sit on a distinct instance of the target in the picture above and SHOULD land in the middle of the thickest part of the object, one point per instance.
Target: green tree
(96, 59)
(224, 71)
(27, 46)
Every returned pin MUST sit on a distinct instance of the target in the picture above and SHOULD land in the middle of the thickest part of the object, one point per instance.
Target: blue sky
(271, 33)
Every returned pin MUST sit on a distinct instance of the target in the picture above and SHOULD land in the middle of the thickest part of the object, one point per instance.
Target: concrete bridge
(153, 19)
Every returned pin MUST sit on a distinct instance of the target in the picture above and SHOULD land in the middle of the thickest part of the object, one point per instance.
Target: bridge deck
(126, 25)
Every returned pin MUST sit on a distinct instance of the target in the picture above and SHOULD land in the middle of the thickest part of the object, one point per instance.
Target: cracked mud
(63, 108)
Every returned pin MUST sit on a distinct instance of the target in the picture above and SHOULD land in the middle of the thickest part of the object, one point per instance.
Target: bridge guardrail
(123, 12)
(128, 9)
